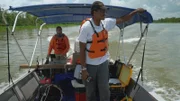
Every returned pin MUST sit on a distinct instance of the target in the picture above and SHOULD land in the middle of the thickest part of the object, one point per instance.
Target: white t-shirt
(86, 33)
(76, 46)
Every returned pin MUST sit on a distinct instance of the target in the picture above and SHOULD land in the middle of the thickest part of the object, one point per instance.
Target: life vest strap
(89, 51)
(102, 25)
(105, 48)
(93, 28)
(103, 40)
(89, 42)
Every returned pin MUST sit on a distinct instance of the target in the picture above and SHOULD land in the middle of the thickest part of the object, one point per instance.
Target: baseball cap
(97, 5)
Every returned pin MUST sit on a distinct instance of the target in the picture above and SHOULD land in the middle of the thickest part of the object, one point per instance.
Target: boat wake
(160, 93)
(130, 40)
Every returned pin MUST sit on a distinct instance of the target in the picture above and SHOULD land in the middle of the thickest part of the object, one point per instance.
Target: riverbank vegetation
(26, 20)
(168, 20)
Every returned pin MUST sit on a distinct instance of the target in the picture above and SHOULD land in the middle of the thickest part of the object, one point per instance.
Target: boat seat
(75, 84)
(77, 75)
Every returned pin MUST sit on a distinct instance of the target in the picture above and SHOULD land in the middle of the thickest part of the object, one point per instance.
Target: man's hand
(140, 10)
(85, 74)
(129, 16)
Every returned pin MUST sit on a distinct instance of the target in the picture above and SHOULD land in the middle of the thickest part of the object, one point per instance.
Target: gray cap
(98, 5)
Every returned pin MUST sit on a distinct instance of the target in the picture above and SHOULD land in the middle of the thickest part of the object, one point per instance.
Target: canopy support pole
(37, 40)
(14, 26)
(142, 35)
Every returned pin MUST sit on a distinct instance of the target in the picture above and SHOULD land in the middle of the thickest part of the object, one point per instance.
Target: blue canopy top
(63, 13)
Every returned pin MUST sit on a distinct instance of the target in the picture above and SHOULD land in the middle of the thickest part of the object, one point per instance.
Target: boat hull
(26, 88)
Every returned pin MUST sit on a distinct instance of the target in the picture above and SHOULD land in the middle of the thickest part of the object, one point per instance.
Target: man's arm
(128, 17)
(82, 44)
(82, 54)
(85, 74)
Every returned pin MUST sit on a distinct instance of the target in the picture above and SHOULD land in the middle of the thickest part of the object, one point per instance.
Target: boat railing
(143, 32)
(37, 40)
(36, 43)
(13, 34)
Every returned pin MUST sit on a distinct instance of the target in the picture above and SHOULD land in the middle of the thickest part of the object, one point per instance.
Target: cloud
(54, 1)
(158, 8)
(16, 3)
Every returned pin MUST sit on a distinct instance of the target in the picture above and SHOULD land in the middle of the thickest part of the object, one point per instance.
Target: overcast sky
(158, 8)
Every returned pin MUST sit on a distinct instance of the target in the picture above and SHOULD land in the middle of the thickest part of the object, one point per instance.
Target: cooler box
(80, 94)
(80, 91)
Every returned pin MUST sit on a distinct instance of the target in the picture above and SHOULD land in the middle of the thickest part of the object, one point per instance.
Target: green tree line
(168, 20)
(23, 19)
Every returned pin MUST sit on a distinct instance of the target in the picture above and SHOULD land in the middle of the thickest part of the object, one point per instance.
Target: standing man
(93, 41)
(60, 44)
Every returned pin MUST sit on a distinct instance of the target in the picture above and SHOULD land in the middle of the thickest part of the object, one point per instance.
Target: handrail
(142, 35)
(39, 33)
(14, 26)
(36, 21)
(118, 53)
(15, 22)
(12, 32)
(122, 33)
(121, 37)
(5, 21)
(41, 41)
(10, 78)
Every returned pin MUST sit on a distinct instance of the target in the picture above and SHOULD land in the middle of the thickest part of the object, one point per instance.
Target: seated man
(60, 44)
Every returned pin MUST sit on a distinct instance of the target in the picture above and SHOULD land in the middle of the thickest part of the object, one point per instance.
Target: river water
(161, 64)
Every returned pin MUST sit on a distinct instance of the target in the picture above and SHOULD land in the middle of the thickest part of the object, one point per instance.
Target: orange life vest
(60, 43)
(99, 43)
(83, 22)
